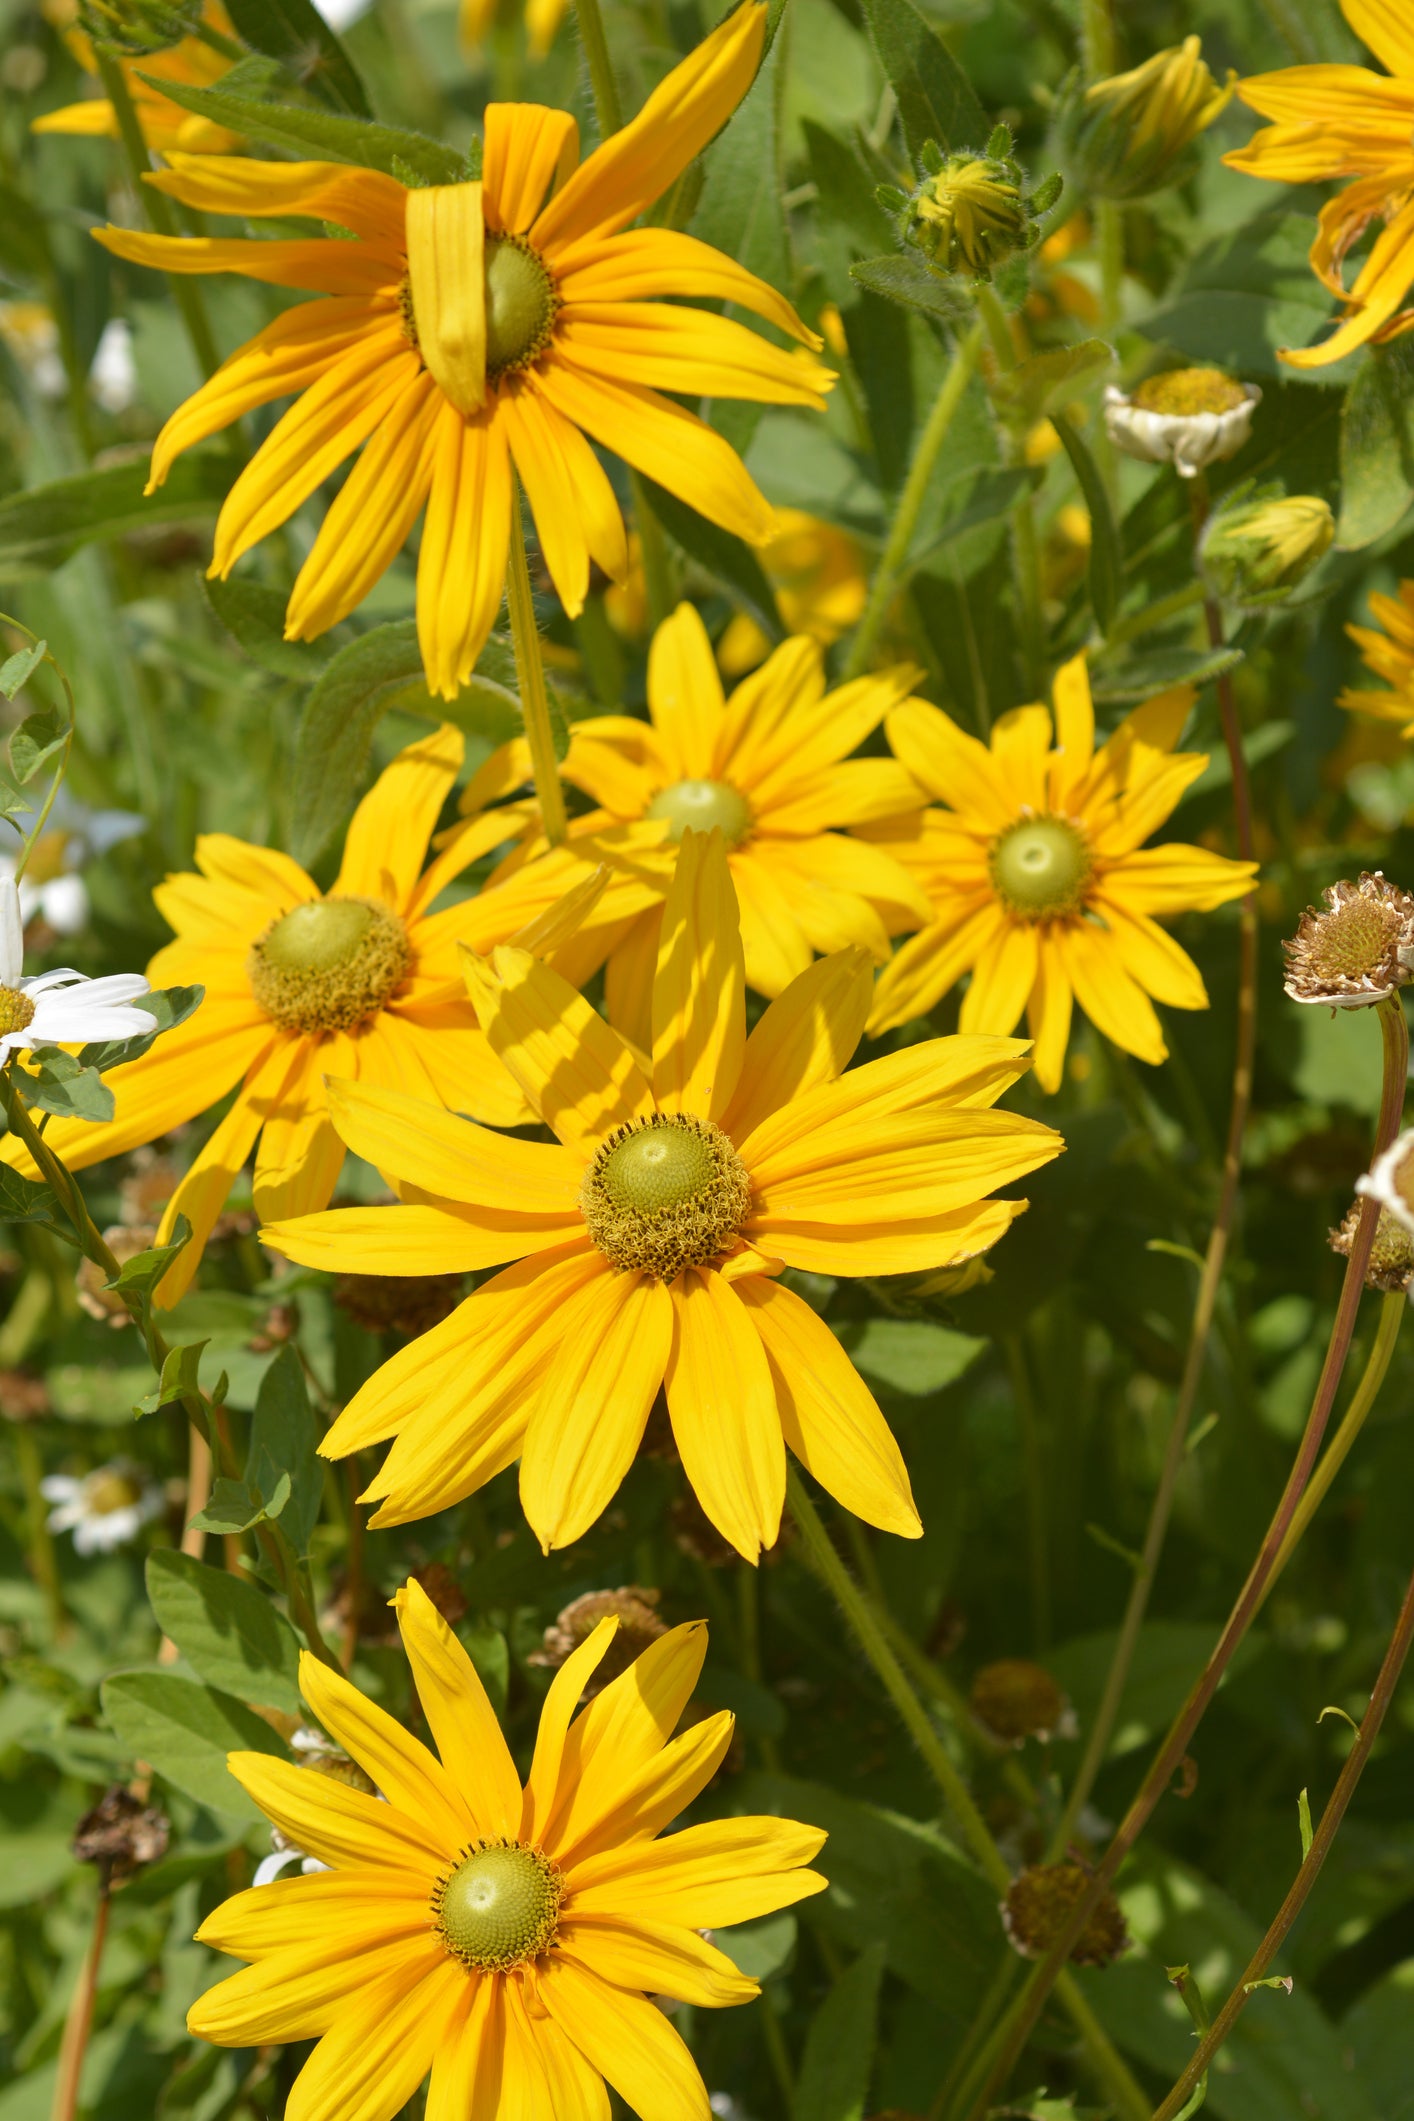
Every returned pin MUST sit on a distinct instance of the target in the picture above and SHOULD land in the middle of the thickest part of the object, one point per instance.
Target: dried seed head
(1391, 1265)
(1015, 1700)
(1357, 950)
(633, 1606)
(1039, 1903)
(121, 1835)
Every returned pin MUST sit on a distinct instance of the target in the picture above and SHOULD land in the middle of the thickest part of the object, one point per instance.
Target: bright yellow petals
(446, 231)
(647, 1239)
(394, 1974)
(1389, 653)
(1040, 884)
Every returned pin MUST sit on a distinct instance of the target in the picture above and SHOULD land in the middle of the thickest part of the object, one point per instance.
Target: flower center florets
(1040, 867)
(1354, 940)
(105, 1493)
(16, 1010)
(328, 964)
(1181, 392)
(665, 1193)
(697, 806)
(521, 306)
(499, 1907)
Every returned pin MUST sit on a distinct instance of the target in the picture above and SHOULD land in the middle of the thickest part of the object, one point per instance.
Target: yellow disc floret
(328, 964)
(665, 1193)
(499, 1907)
(16, 1010)
(1184, 391)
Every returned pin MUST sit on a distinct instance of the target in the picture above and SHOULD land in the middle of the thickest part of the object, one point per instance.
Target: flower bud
(1257, 552)
(1129, 136)
(1187, 417)
(969, 214)
(138, 28)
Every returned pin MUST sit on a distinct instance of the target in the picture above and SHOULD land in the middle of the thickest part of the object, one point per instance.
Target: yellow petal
(372, 2062)
(452, 1157)
(628, 2040)
(398, 1764)
(620, 1735)
(413, 1239)
(699, 990)
(684, 695)
(343, 1827)
(294, 1912)
(707, 1877)
(576, 1071)
(462, 1721)
(388, 833)
(807, 1036)
(723, 1408)
(893, 1246)
(301, 1993)
(542, 1790)
(446, 246)
(661, 1958)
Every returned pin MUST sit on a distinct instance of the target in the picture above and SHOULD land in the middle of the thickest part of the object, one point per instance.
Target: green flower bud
(969, 213)
(1256, 552)
(137, 29)
(1129, 136)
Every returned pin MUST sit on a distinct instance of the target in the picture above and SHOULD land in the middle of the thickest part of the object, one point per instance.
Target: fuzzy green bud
(970, 213)
(1256, 552)
(1129, 136)
(137, 29)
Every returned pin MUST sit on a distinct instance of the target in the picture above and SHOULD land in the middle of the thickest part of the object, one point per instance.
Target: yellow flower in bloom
(1390, 654)
(648, 1237)
(1041, 884)
(165, 125)
(542, 18)
(508, 1939)
(769, 767)
(364, 982)
(1345, 121)
(818, 575)
(469, 328)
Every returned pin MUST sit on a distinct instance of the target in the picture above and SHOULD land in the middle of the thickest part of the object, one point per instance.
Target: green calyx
(664, 1194)
(1040, 867)
(499, 1907)
(520, 305)
(971, 212)
(698, 806)
(329, 963)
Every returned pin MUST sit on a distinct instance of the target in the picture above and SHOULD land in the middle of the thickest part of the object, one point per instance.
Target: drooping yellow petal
(474, 1755)
(723, 1408)
(446, 242)
(528, 147)
(461, 563)
(699, 990)
(362, 200)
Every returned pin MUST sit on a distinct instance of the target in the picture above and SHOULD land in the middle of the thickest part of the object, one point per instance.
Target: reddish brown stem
(79, 2022)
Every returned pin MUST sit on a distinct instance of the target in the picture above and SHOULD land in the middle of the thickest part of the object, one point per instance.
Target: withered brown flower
(1355, 951)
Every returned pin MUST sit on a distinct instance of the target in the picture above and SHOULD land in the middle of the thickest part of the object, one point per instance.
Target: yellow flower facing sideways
(1389, 652)
(648, 1238)
(365, 982)
(1041, 884)
(507, 1939)
(770, 769)
(1345, 121)
(475, 19)
(165, 125)
(469, 328)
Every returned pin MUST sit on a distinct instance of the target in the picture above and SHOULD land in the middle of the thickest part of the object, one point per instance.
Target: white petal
(116, 987)
(12, 936)
(64, 903)
(59, 1487)
(61, 1022)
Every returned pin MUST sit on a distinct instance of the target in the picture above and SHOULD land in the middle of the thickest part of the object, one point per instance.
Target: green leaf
(760, 1949)
(283, 1436)
(986, 496)
(912, 1355)
(839, 2048)
(1245, 294)
(170, 1005)
(236, 1506)
(27, 1200)
(846, 189)
(255, 615)
(724, 557)
(904, 278)
(23, 249)
(180, 1379)
(936, 101)
(1032, 386)
(336, 730)
(228, 1631)
(144, 1270)
(295, 32)
(1105, 573)
(1140, 677)
(185, 1731)
(323, 135)
(16, 672)
(56, 1082)
(37, 739)
(42, 525)
(1376, 447)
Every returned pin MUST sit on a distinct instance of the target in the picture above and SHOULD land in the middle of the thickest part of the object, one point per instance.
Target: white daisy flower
(103, 1509)
(1187, 417)
(1391, 1179)
(60, 1008)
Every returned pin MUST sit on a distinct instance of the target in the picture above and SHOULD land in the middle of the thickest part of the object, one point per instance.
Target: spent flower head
(1391, 1264)
(1390, 1180)
(1256, 551)
(1187, 417)
(970, 212)
(1040, 1902)
(1130, 135)
(1355, 950)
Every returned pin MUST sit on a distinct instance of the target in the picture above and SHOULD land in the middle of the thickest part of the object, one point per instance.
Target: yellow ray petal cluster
(422, 1035)
(769, 766)
(1346, 121)
(726, 1157)
(1041, 885)
(1388, 650)
(542, 19)
(578, 349)
(413, 1953)
(165, 125)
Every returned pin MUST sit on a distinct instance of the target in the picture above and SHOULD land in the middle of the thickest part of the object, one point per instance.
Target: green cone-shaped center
(1040, 867)
(659, 1168)
(328, 964)
(499, 1906)
(696, 806)
(520, 305)
(319, 936)
(665, 1193)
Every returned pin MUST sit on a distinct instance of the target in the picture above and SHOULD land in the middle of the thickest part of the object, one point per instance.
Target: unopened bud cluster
(1129, 136)
(971, 212)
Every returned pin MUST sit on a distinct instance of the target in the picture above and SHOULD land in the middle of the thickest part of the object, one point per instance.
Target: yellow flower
(768, 767)
(165, 125)
(364, 981)
(469, 328)
(820, 584)
(1042, 887)
(648, 1237)
(1126, 137)
(1345, 121)
(507, 1939)
(542, 18)
(1391, 656)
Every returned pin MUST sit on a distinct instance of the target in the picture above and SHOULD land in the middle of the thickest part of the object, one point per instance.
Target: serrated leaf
(846, 188)
(27, 1200)
(228, 1631)
(295, 32)
(936, 101)
(17, 670)
(255, 616)
(323, 134)
(727, 559)
(57, 1082)
(1105, 571)
(42, 525)
(1376, 446)
(36, 740)
(185, 1731)
(236, 1506)
(170, 1005)
(837, 2064)
(144, 1270)
(1032, 385)
(283, 1447)
(904, 278)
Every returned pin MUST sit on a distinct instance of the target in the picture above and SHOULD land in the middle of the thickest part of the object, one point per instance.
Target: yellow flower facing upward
(648, 1237)
(769, 768)
(1041, 884)
(363, 982)
(165, 125)
(509, 1939)
(1390, 654)
(1345, 121)
(470, 328)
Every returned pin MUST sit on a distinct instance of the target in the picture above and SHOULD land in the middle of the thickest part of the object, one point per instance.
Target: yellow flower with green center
(509, 1939)
(649, 1237)
(168, 128)
(1041, 884)
(769, 767)
(1346, 121)
(1388, 650)
(363, 981)
(470, 328)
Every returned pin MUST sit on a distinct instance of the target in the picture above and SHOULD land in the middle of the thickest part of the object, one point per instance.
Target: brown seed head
(635, 1609)
(398, 1303)
(124, 1241)
(1356, 950)
(121, 1835)
(23, 1397)
(1391, 1267)
(1040, 1902)
(1014, 1700)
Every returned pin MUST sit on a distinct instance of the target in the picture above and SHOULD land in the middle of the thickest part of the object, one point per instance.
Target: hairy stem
(530, 671)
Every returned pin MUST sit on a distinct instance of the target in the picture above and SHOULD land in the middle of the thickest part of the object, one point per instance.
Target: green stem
(1034, 1477)
(1157, 614)
(157, 208)
(601, 71)
(530, 670)
(748, 1607)
(42, 1559)
(777, 2051)
(925, 458)
(1025, 549)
